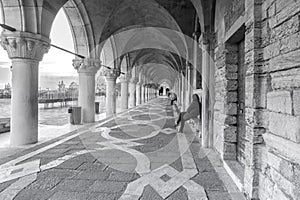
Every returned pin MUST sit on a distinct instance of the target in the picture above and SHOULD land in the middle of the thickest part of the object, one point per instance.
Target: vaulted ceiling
(154, 32)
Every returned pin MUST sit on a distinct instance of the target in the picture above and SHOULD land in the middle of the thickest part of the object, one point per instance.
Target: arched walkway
(135, 155)
(240, 56)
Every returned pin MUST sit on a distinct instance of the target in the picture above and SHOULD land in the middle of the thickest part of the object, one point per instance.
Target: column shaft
(124, 95)
(25, 50)
(138, 94)
(205, 96)
(86, 97)
(132, 94)
(87, 69)
(110, 96)
(24, 115)
(143, 94)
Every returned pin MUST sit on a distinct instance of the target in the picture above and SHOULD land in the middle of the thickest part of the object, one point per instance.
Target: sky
(56, 64)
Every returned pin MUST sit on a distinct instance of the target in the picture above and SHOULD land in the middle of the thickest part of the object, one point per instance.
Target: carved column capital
(208, 38)
(25, 45)
(124, 78)
(87, 66)
(110, 73)
(133, 80)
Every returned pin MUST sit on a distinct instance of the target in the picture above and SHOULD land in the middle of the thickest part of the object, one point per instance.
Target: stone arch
(81, 28)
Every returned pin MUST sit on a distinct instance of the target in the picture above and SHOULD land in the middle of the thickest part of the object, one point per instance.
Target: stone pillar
(143, 93)
(138, 93)
(183, 93)
(110, 77)
(189, 83)
(207, 109)
(25, 50)
(87, 68)
(146, 94)
(164, 90)
(254, 114)
(132, 92)
(124, 92)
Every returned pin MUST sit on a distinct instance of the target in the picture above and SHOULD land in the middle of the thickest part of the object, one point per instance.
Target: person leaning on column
(192, 112)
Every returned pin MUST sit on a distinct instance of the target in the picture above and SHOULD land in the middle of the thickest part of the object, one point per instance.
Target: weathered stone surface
(231, 97)
(229, 151)
(286, 126)
(231, 109)
(231, 68)
(280, 101)
(230, 134)
(230, 120)
(281, 164)
(231, 85)
(296, 102)
(231, 76)
(257, 117)
(285, 61)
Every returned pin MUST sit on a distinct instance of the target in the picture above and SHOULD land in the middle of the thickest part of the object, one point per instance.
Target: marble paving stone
(210, 181)
(107, 186)
(150, 193)
(120, 176)
(96, 166)
(34, 194)
(74, 185)
(103, 196)
(62, 173)
(92, 175)
(70, 164)
(212, 195)
(137, 155)
(46, 183)
(179, 194)
(65, 195)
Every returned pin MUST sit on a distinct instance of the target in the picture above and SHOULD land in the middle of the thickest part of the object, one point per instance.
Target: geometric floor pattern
(136, 155)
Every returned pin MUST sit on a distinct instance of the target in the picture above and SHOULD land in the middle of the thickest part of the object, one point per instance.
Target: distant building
(6, 92)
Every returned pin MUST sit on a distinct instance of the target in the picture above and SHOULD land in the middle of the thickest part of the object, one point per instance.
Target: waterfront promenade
(137, 154)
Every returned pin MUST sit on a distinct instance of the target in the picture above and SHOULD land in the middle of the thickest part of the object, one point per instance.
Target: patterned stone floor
(136, 155)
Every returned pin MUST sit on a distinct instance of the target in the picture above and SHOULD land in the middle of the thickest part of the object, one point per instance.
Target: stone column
(110, 77)
(132, 92)
(164, 90)
(138, 93)
(143, 93)
(206, 104)
(25, 50)
(87, 68)
(183, 92)
(190, 82)
(124, 92)
(146, 94)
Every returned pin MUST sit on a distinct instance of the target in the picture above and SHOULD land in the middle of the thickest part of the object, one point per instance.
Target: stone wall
(280, 177)
(272, 104)
(226, 101)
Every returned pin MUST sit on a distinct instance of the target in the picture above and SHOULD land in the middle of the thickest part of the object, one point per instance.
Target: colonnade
(26, 51)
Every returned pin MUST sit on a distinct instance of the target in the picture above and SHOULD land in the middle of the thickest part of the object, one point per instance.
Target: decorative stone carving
(110, 73)
(208, 38)
(25, 45)
(88, 66)
(133, 80)
(124, 78)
